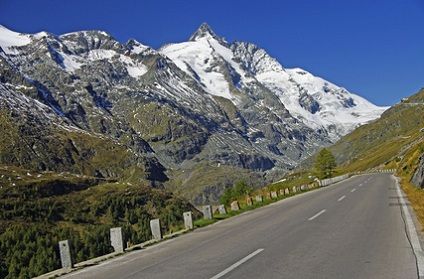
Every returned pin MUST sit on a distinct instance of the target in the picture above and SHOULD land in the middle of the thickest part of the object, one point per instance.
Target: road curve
(353, 229)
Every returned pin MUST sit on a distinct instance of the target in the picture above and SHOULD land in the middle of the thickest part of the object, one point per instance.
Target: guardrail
(329, 181)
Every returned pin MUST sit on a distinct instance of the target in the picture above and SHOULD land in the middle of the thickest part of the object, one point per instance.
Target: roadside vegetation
(39, 209)
(406, 167)
(325, 164)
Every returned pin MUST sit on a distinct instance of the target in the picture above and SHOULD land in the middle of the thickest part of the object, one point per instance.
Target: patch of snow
(40, 35)
(136, 71)
(203, 59)
(198, 57)
(138, 47)
(134, 68)
(10, 39)
(333, 111)
(100, 54)
(71, 62)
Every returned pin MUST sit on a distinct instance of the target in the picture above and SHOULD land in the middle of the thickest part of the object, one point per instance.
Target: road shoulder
(412, 226)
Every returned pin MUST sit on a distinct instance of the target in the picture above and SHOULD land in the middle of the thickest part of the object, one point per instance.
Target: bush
(238, 190)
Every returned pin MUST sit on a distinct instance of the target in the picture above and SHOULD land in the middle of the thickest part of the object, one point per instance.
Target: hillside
(40, 208)
(385, 139)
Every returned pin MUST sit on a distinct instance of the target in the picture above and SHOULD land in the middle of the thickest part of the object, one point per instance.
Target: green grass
(204, 222)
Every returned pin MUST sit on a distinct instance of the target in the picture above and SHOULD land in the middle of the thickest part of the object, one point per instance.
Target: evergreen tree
(325, 163)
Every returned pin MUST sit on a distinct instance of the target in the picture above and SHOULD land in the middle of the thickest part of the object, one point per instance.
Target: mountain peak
(137, 47)
(204, 31)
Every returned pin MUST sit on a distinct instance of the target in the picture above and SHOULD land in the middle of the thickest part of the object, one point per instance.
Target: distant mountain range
(192, 116)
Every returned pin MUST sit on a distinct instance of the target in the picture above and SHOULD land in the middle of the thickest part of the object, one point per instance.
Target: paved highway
(353, 229)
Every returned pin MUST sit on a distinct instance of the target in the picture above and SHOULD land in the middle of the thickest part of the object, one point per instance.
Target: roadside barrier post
(116, 240)
(235, 206)
(65, 254)
(155, 228)
(188, 220)
(207, 212)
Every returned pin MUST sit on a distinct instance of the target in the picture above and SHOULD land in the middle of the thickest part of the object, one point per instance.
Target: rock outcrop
(418, 178)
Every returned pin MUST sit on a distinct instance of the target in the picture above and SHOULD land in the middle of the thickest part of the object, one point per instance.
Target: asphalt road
(353, 229)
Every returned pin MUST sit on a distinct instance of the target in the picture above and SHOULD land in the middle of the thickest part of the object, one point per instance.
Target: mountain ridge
(215, 105)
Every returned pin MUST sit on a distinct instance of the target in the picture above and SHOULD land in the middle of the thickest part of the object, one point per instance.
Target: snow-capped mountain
(222, 68)
(197, 109)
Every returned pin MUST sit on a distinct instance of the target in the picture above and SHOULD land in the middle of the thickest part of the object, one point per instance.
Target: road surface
(353, 229)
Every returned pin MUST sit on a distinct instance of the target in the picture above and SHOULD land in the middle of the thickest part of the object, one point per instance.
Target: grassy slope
(383, 140)
(25, 142)
(405, 170)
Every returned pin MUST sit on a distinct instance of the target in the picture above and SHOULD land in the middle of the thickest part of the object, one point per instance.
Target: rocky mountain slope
(226, 69)
(418, 177)
(198, 114)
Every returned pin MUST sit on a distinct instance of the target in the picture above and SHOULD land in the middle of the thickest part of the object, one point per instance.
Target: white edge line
(341, 198)
(316, 215)
(415, 242)
(235, 265)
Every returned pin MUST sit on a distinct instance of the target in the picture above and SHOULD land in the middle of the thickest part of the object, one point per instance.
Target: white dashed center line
(353, 190)
(316, 215)
(234, 266)
(341, 198)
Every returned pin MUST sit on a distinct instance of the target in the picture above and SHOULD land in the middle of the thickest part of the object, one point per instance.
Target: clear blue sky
(372, 47)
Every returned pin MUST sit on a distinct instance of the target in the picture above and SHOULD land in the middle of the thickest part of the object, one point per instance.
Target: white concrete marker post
(221, 209)
(258, 198)
(65, 254)
(155, 228)
(249, 201)
(235, 206)
(207, 212)
(116, 240)
(188, 220)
